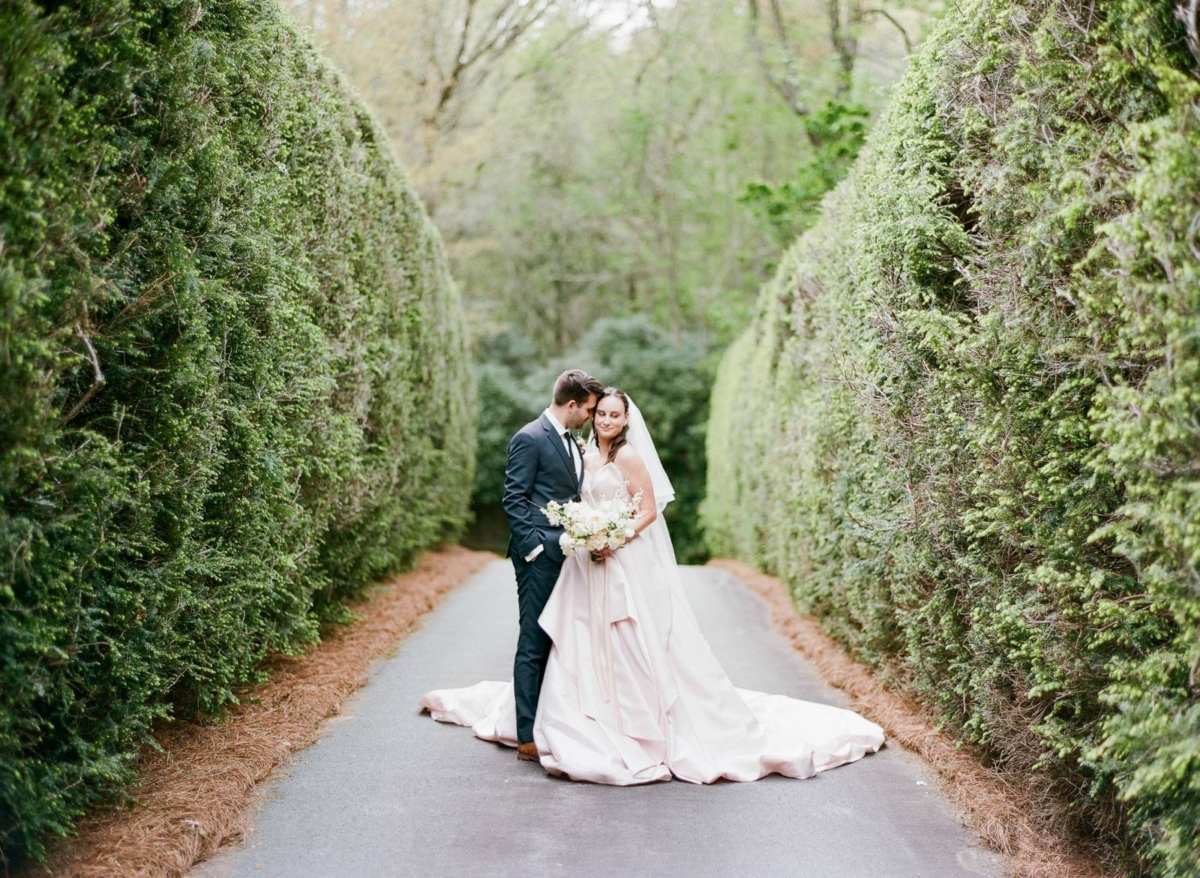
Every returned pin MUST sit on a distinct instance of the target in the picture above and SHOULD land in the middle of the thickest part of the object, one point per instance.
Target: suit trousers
(535, 581)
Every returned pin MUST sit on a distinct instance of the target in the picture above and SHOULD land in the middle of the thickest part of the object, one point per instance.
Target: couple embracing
(613, 681)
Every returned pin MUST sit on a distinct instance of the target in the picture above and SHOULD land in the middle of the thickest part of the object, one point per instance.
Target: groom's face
(578, 415)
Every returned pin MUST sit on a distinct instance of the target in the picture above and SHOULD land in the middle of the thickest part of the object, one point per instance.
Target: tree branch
(845, 41)
(786, 90)
(908, 46)
(553, 54)
(491, 33)
(1189, 14)
(784, 45)
(450, 83)
(505, 39)
(498, 36)
(98, 375)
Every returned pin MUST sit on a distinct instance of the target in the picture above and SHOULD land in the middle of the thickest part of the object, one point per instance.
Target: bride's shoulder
(627, 457)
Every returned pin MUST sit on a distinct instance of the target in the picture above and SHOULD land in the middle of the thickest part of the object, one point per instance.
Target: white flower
(606, 524)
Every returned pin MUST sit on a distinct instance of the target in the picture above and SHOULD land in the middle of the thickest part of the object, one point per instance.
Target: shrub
(963, 426)
(193, 206)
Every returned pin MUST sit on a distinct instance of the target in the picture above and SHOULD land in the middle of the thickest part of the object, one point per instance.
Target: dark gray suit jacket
(540, 469)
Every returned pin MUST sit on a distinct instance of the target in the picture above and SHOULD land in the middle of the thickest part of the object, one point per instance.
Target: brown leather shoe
(528, 752)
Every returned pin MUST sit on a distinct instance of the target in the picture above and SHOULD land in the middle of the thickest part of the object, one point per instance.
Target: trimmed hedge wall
(965, 424)
(287, 411)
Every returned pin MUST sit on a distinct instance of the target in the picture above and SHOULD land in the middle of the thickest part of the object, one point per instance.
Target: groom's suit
(541, 467)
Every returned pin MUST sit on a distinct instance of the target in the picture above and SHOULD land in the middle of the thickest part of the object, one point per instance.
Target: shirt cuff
(537, 551)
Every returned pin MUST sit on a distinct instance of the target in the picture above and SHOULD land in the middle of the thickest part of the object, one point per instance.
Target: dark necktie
(571, 450)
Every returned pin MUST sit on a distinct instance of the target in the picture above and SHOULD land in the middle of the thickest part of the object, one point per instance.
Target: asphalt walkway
(389, 792)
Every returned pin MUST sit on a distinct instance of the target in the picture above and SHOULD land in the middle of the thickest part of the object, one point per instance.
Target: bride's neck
(603, 445)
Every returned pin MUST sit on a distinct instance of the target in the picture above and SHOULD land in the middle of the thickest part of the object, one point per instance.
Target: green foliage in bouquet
(965, 424)
(233, 390)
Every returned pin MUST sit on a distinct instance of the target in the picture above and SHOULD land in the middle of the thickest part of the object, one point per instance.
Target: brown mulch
(198, 794)
(1013, 820)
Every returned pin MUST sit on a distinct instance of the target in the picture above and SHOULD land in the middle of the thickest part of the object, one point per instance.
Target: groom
(544, 464)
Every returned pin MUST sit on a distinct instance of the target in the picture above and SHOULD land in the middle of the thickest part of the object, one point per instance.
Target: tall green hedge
(965, 425)
(286, 411)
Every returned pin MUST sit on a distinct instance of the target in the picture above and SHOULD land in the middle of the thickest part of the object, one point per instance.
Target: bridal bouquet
(593, 527)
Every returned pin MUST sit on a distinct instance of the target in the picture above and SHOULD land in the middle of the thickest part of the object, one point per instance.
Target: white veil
(639, 439)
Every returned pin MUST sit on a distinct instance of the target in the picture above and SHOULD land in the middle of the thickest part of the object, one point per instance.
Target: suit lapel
(556, 441)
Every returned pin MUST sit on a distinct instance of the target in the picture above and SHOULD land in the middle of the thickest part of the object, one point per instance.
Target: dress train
(634, 694)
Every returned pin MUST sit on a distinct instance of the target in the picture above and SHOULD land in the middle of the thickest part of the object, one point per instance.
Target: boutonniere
(582, 445)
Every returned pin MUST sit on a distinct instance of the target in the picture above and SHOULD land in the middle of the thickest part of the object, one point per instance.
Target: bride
(632, 692)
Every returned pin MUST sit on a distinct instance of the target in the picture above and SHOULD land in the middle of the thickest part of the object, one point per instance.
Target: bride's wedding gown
(634, 694)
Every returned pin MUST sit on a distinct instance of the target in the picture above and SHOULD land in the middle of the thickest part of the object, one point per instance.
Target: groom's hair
(575, 384)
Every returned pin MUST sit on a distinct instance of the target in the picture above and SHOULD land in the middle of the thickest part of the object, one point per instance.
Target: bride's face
(610, 418)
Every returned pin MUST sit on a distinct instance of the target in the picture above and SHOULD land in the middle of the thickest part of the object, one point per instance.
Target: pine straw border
(198, 794)
(1018, 822)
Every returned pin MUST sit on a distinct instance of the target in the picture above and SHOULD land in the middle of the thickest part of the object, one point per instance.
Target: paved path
(389, 792)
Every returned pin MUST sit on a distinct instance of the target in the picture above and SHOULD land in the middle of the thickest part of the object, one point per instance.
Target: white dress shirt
(576, 458)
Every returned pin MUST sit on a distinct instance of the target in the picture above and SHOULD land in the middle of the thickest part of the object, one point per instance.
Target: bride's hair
(622, 437)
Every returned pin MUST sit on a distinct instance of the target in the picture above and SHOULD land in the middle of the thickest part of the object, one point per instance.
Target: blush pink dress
(633, 692)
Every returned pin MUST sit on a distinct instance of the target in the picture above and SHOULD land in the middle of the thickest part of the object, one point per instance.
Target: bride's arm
(629, 462)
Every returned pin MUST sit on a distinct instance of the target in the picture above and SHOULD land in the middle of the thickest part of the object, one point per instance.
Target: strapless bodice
(605, 484)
